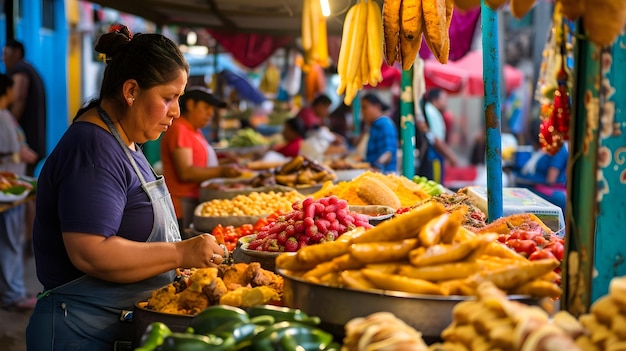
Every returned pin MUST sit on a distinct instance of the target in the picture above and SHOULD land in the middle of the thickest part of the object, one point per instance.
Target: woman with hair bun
(105, 233)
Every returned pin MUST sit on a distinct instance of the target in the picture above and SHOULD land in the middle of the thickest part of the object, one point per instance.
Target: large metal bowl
(335, 306)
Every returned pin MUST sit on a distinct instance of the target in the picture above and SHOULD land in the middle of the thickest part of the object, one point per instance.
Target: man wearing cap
(187, 157)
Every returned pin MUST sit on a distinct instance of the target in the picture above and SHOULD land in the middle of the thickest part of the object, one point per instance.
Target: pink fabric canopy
(466, 75)
(250, 50)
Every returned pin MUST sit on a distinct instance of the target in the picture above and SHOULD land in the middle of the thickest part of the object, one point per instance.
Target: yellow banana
(322, 42)
(465, 5)
(356, 45)
(391, 27)
(364, 69)
(519, 8)
(435, 27)
(315, 12)
(307, 44)
(375, 42)
(346, 39)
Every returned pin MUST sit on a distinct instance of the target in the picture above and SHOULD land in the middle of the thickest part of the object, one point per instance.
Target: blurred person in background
(314, 115)
(544, 174)
(340, 120)
(188, 158)
(29, 108)
(14, 156)
(433, 127)
(29, 101)
(320, 142)
(382, 145)
(293, 134)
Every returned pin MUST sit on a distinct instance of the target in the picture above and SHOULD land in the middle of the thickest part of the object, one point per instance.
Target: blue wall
(46, 49)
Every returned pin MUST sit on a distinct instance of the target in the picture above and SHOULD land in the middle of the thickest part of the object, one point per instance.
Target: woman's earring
(131, 100)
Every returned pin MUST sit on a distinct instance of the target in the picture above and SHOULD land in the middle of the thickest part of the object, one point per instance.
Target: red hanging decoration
(554, 129)
(550, 140)
(560, 115)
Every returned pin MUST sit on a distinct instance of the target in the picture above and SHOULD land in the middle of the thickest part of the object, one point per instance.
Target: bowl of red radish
(311, 222)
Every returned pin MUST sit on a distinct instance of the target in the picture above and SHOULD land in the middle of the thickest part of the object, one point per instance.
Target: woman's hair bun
(110, 43)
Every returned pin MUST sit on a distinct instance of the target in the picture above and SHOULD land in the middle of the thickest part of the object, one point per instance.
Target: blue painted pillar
(491, 77)
(407, 124)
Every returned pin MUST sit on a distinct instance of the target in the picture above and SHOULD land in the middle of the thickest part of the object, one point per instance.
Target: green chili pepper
(190, 342)
(281, 314)
(264, 320)
(153, 336)
(216, 316)
(299, 337)
(333, 346)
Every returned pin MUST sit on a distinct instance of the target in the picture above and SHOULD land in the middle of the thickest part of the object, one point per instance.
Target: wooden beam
(218, 13)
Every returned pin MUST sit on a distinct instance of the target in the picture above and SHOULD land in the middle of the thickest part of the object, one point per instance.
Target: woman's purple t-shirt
(87, 185)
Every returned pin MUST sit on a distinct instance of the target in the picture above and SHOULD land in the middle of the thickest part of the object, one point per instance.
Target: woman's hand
(201, 251)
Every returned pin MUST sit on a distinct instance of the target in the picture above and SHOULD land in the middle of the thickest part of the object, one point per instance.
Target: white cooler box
(521, 200)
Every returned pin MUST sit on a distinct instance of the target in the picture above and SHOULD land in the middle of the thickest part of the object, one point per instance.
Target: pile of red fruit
(311, 222)
(531, 241)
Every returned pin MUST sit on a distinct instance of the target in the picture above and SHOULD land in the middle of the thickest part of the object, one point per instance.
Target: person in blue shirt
(382, 146)
(544, 174)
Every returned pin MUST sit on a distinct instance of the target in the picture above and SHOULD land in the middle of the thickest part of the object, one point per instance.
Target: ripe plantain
(519, 8)
(495, 4)
(604, 20)
(465, 5)
(410, 13)
(411, 38)
(445, 52)
(346, 39)
(391, 28)
(435, 28)
(375, 42)
(573, 9)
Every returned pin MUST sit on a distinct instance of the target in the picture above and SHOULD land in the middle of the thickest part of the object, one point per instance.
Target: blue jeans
(12, 288)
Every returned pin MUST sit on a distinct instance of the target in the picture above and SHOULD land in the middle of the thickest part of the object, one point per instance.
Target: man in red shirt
(187, 157)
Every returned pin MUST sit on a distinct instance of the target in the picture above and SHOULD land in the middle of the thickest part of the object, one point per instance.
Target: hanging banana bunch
(404, 22)
(314, 35)
(360, 55)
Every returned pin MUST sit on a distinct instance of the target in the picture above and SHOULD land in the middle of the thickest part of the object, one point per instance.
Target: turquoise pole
(356, 114)
(407, 124)
(491, 77)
